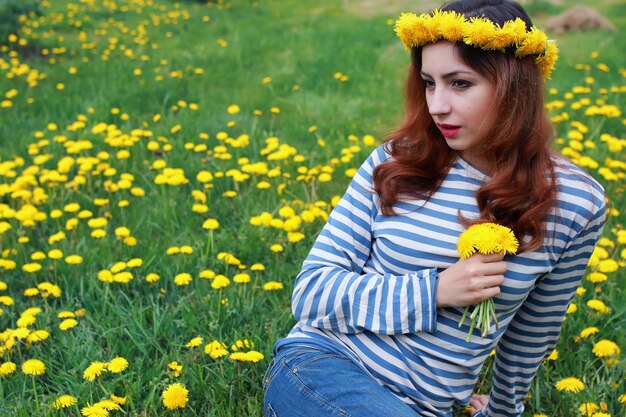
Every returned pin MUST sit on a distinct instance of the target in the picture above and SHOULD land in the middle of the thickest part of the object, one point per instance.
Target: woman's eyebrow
(448, 75)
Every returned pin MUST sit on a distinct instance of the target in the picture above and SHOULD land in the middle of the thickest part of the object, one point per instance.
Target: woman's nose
(438, 102)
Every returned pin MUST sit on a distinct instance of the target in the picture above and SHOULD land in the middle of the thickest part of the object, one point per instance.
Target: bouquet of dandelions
(485, 238)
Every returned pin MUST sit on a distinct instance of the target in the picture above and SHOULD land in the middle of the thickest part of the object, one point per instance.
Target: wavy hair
(521, 190)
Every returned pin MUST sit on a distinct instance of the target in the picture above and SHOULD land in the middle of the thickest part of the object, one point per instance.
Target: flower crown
(416, 31)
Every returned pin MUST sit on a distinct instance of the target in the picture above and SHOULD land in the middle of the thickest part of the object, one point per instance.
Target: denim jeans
(305, 381)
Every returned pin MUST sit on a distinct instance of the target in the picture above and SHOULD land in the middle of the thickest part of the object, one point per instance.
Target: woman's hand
(471, 280)
(478, 402)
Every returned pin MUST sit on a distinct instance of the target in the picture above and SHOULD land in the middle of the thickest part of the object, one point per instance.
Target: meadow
(165, 168)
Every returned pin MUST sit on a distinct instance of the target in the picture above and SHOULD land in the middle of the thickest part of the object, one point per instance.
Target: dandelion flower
(608, 265)
(7, 368)
(37, 336)
(74, 259)
(67, 324)
(207, 274)
(215, 349)
(175, 396)
(587, 409)
(195, 342)
(220, 281)
(605, 347)
(118, 400)
(598, 306)
(273, 286)
(152, 277)
(210, 224)
(589, 331)
(117, 365)
(64, 401)
(241, 278)
(182, 279)
(571, 384)
(596, 277)
(176, 368)
(108, 405)
(554, 355)
(33, 367)
(94, 370)
(94, 411)
(250, 356)
(276, 248)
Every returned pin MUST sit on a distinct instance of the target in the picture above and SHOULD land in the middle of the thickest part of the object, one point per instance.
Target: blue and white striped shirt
(367, 290)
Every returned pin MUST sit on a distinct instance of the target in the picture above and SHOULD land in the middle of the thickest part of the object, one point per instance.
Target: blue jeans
(306, 381)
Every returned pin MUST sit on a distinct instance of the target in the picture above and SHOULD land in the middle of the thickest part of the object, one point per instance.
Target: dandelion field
(165, 167)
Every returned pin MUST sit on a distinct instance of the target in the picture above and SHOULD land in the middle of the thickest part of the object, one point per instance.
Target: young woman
(380, 297)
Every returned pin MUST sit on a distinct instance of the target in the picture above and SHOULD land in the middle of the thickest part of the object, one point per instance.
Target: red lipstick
(448, 130)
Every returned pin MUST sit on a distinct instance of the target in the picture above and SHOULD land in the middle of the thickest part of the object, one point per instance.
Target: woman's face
(459, 100)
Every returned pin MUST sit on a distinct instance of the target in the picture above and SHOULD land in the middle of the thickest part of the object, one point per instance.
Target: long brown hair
(521, 190)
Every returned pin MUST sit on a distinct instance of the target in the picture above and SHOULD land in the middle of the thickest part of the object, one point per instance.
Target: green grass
(297, 44)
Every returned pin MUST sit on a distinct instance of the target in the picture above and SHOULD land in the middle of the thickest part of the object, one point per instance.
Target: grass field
(165, 167)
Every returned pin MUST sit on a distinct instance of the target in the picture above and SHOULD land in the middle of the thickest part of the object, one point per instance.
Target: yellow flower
(598, 306)
(241, 278)
(118, 400)
(584, 333)
(587, 409)
(273, 286)
(608, 265)
(64, 401)
(152, 277)
(33, 367)
(487, 238)
(210, 224)
(534, 43)
(207, 274)
(571, 384)
(182, 279)
(250, 356)
(220, 281)
(67, 324)
(176, 368)
(94, 411)
(94, 370)
(276, 248)
(554, 355)
(605, 347)
(195, 342)
(215, 349)
(7, 368)
(233, 109)
(117, 365)
(175, 396)
(55, 254)
(596, 277)
(37, 336)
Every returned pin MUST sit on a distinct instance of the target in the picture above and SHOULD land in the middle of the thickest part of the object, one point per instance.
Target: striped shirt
(367, 290)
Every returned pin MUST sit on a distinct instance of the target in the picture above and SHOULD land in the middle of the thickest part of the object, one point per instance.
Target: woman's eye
(428, 83)
(461, 84)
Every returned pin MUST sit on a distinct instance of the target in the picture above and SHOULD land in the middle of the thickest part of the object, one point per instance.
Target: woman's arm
(532, 334)
(332, 292)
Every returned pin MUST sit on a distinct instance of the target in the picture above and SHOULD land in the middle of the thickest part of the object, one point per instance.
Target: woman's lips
(448, 130)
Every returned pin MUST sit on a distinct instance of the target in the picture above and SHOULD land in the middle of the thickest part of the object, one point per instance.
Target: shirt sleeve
(533, 333)
(332, 292)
